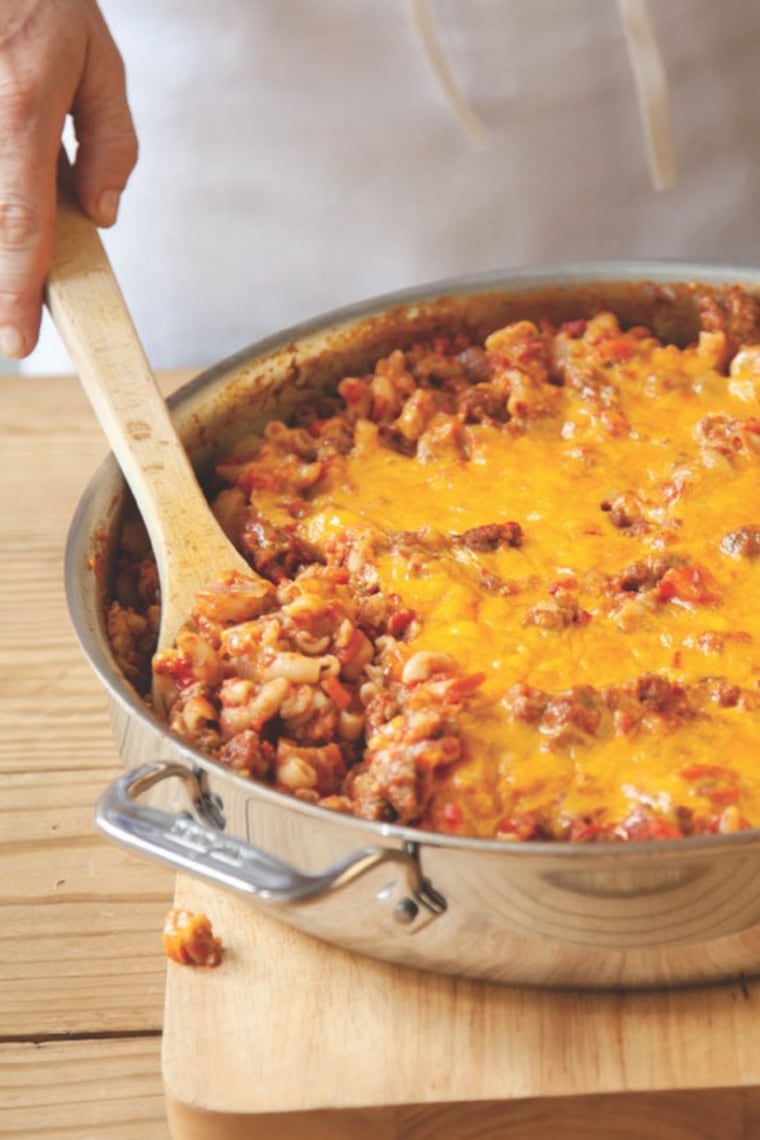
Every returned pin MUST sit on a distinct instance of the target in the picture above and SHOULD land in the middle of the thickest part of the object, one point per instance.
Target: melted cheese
(559, 476)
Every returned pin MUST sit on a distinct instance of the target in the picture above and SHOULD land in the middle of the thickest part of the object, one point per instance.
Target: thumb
(107, 143)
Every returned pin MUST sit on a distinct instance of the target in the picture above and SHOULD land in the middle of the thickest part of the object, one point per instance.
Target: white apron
(297, 155)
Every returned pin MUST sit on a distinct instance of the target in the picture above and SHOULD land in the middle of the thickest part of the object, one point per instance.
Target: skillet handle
(186, 843)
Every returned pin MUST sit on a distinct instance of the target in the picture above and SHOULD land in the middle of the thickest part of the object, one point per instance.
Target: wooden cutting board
(293, 1038)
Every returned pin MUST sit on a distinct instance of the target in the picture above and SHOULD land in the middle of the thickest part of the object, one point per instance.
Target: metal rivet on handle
(405, 911)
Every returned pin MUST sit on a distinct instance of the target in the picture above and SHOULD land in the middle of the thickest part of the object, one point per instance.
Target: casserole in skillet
(560, 651)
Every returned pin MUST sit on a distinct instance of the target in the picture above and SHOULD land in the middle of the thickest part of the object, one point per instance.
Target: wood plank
(83, 1090)
(53, 805)
(83, 969)
(80, 942)
(369, 1034)
(53, 710)
(691, 1115)
(62, 730)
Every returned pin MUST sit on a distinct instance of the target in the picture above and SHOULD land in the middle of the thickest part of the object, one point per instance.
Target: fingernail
(108, 207)
(11, 343)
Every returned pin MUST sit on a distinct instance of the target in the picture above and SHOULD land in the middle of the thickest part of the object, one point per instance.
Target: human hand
(56, 57)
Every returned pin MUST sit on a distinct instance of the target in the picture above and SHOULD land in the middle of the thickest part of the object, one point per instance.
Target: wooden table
(82, 974)
(288, 1038)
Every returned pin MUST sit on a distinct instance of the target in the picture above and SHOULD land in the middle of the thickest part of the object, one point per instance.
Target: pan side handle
(187, 844)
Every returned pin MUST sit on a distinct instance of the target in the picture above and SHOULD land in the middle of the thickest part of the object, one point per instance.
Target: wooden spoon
(90, 313)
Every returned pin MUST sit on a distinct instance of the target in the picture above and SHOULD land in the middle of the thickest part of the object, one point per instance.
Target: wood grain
(82, 1090)
(369, 1034)
(689, 1115)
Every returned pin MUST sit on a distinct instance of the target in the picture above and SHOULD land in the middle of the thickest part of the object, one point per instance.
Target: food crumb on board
(189, 939)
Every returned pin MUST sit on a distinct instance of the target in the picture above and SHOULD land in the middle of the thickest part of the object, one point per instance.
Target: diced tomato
(252, 478)
(352, 647)
(614, 422)
(461, 686)
(615, 351)
(337, 692)
(626, 721)
(452, 816)
(399, 622)
(704, 771)
(721, 794)
(713, 781)
(177, 666)
(533, 350)
(567, 583)
(522, 826)
(584, 831)
(692, 584)
(651, 828)
(352, 390)
(295, 506)
(450, 345)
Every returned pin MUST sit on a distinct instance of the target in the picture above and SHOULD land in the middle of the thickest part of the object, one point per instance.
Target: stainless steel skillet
(603, 915)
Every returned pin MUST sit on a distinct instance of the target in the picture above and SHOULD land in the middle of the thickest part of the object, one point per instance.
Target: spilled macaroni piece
(512, 589)
(188, 939)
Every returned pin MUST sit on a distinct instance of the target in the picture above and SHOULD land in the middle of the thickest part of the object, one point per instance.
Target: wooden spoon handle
(88, 308)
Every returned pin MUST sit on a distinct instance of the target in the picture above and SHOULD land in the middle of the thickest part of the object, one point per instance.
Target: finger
(27, 209)
(107, 150)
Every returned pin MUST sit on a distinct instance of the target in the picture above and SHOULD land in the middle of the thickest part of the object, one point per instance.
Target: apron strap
(651, 92)
(424, 24)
